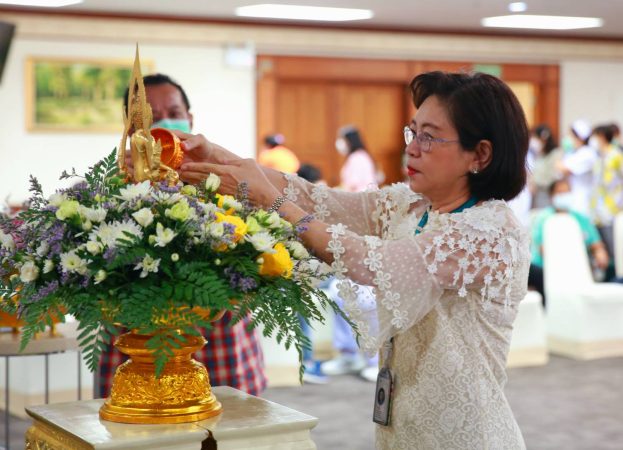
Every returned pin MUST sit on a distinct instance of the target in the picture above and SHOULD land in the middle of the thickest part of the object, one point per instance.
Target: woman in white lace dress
(448, 259)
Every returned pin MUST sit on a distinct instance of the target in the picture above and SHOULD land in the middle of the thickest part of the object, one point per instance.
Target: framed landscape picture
(77, 95)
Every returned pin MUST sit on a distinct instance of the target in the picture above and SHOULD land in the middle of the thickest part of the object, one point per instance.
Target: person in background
(577, 166)
(616, 136)
(358, 174)
(607, 194)
(359, 171)
(544, 172)
(232, 355)
(277, 156)
(313, 370)
(562, 202)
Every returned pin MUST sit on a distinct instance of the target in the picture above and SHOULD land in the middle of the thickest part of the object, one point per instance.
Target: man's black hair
(154, 80)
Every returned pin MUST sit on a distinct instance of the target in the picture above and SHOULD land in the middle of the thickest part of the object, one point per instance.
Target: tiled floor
(571, 405)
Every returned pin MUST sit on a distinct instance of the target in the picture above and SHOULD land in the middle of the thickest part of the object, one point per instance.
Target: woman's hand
(232, 173)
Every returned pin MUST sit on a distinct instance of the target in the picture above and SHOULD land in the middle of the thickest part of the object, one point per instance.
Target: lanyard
(424, 220)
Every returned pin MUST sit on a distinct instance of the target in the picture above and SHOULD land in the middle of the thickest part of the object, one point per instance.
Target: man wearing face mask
(232, 355)
(562, 202)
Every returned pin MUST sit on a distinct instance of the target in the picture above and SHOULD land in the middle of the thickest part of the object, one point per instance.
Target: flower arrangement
(154, 258)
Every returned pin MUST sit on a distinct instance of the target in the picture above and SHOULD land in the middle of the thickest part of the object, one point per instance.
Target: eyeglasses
(424, 140)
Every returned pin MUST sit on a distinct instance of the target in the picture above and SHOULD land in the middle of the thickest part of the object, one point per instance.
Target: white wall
(222, 101)
(592, 90)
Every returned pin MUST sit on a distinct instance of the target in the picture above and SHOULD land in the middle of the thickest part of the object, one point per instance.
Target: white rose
(100, 276)
(87, 225)
(175, 257)
(6, 241)
(29, 272)
(212, 182)
(57, 199)
(144, 217)
(48, 265)
(297, 250)
(94, 247)
(262, 242)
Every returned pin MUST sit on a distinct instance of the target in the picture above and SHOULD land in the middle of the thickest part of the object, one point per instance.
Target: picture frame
(76, 95)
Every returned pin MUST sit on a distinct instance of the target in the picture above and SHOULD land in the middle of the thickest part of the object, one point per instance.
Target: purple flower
(45, 290)
(164, 187)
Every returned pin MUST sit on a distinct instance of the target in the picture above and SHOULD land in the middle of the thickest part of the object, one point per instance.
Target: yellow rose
(240, 226)
(278, 263)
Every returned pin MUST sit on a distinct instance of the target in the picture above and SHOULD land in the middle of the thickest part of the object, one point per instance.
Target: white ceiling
(444, 15)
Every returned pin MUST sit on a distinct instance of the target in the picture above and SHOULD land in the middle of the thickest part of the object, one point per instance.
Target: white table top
(66, 339)
(243, 416)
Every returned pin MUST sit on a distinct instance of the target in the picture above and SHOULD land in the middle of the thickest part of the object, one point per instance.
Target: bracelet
(277, 204)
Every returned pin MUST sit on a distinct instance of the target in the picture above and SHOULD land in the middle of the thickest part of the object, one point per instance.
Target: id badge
(383, 397)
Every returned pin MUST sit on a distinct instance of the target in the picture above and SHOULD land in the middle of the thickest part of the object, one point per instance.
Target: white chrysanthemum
(135, 191)
(297, 250)
(43, 248)
(163, 235)
(48, 266)
(6, 241)
(231, 203)
(273, 220)
(166, 198)
(148, 264)
(208, 208)
(144, 217)
(56, 199)
(262, 242)
(94, 215)
(215, 229)
(71, 262)
(128, 226)
(212, 182)
(29, 272)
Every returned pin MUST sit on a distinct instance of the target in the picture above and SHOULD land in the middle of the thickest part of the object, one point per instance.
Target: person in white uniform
(447, 257)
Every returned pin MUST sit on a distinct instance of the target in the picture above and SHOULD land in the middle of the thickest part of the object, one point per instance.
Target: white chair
(618, 245)
(529, 341)
(584, 319)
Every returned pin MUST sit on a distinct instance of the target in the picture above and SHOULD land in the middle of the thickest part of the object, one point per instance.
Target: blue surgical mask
(567, 145)
(563, 202)
(173, 124)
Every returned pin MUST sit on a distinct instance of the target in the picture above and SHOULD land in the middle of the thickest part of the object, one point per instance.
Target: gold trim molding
(41, 436)
(318, 42)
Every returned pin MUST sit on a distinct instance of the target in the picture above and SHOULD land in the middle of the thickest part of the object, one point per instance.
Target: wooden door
(309, 115)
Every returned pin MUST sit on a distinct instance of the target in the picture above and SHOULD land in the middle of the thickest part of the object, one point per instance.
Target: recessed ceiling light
(296, 12)
(542, 22)
(517, 7)
(43, 3)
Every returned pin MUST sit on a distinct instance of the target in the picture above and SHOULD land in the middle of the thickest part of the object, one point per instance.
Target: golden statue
(146, 152)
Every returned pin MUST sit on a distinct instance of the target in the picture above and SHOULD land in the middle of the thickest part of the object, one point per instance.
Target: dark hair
(552, 186)
(544, 133)
(482, 107)
(353, 138)
(273, 140)
(604, 131)
(309, 173)
(615, 129)
(155, 80)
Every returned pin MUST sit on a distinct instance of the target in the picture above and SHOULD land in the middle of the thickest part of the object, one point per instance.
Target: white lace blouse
(448, 296)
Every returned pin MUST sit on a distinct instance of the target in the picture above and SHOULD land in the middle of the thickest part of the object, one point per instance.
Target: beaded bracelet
(277, 204)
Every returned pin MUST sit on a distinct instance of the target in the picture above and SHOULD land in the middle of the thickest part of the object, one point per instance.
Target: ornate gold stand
(181, 394)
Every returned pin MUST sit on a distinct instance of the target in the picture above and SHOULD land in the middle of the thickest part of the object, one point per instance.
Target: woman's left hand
(261, 192)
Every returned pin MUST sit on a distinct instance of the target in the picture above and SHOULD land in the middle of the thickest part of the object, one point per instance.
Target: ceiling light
(542, 22)
(296, 12)
(43, 3)
(517, 7)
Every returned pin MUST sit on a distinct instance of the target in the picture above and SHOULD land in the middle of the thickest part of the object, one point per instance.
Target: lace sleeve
(364, 213)
(482, 250)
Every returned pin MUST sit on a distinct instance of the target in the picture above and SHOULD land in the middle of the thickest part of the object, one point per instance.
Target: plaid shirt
(233, 357)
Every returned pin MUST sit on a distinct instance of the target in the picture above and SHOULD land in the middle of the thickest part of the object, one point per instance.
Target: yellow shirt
(280, 158)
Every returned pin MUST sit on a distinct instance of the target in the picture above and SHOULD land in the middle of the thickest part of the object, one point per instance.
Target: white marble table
(247, 422)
